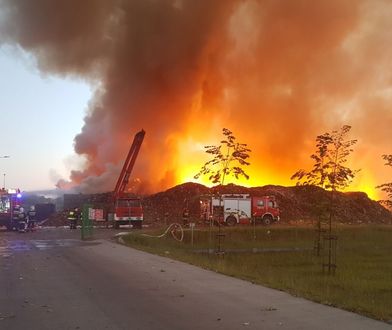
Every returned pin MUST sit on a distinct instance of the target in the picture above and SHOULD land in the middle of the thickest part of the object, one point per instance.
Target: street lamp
(4, 173)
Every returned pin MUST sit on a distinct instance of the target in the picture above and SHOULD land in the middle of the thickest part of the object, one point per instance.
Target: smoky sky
(277, 73)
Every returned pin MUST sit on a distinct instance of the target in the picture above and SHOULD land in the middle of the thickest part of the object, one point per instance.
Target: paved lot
(50, 279)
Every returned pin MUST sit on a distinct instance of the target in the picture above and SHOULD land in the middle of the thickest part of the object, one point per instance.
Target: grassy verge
(285, 260)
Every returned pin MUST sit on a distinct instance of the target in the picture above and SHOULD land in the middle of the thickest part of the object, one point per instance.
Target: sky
(277, 73)
(40, 117)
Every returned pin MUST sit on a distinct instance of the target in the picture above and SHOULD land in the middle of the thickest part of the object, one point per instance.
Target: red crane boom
(126, 171)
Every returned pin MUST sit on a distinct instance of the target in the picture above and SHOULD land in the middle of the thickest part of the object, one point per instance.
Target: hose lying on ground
(173, 228)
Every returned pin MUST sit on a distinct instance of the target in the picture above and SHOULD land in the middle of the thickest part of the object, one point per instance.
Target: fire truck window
(128, 203)
(271, 204)
(4, 204)
(260, 203)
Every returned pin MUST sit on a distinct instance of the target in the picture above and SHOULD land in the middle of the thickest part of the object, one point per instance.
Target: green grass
(362, 282)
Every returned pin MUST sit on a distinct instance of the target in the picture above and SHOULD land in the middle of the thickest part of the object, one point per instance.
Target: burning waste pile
(297, 204)
(168, 206)
(56, 220)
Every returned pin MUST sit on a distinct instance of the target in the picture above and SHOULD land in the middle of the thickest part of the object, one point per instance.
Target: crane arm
(129, 163)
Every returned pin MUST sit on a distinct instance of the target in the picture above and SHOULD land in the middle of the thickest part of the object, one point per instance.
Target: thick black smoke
(277, 73)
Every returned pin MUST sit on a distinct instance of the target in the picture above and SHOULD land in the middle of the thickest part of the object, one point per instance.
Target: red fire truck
(127, 207)
(232, 209)
(10, 201)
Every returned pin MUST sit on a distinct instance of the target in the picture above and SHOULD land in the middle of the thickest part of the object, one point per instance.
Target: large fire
(193, 157)
(277, 73)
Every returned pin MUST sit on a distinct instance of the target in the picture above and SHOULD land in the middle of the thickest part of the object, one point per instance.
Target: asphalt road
(50, 279)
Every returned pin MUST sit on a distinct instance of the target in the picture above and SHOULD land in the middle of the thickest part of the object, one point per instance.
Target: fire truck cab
(128, 210)
(232, 209)
(10, 202)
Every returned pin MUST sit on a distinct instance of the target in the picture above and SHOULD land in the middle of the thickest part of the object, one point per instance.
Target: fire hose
(174, 229)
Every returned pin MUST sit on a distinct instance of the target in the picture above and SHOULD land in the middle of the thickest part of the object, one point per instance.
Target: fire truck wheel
(116, 225)
(231, 221)
(267, 220)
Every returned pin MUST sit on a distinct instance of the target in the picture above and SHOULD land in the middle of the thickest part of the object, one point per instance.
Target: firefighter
(78, 213)
(31, 218)
(72, 218)
(15, 217)
(185, 216)
(22, 225)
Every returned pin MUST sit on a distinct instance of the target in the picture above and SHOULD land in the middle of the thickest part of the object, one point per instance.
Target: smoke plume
(277, 73)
